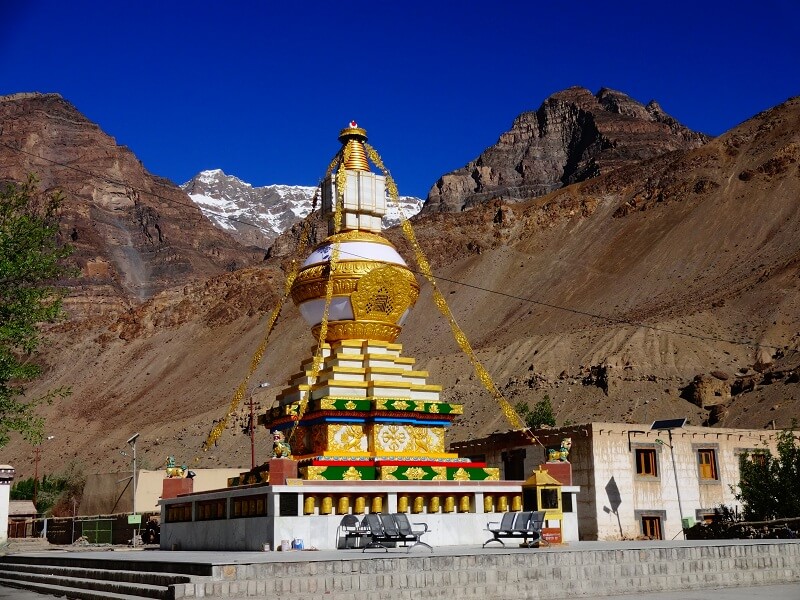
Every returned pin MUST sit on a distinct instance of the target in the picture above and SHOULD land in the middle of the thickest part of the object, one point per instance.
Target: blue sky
(261, 89)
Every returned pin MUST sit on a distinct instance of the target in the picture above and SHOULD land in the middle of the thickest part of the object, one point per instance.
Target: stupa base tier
(364, 407)
(246, 518)
(396, 470)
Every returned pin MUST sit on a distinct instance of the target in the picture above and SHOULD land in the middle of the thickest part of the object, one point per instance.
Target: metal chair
(409, 533)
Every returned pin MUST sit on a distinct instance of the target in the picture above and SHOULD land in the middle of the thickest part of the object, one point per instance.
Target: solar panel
(664, 424)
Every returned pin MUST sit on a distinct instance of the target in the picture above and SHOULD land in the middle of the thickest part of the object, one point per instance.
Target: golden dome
(373, 289)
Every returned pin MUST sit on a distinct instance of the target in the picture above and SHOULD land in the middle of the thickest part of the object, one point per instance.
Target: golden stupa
(359, 409)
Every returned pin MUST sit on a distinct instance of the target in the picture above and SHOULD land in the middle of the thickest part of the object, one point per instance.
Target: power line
(618, 321)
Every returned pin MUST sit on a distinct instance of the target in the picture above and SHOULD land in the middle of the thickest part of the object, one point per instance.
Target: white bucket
(286, 545)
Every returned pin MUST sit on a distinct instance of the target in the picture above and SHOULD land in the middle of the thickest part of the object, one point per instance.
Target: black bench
(518, 525)
(384, 530)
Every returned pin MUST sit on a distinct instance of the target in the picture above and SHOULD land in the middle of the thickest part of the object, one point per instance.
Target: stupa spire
(353, 138)
(360, 193)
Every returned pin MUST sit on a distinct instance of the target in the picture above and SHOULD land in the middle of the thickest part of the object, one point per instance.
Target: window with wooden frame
(707, 464)
(651, 528)
(178, 513)
(646, 462)
(249, 506)
(209, 510)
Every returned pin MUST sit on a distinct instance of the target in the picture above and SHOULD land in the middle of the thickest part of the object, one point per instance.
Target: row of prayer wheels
(422, 503)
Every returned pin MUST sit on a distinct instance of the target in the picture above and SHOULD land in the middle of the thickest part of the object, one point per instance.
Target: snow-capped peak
(257, 215)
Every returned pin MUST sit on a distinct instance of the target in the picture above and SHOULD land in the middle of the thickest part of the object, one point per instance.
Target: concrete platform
(580, 570)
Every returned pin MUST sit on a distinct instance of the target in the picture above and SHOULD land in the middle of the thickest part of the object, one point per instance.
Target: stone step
(150, 578)
(95, 588)
(65, 591)
(105, 562)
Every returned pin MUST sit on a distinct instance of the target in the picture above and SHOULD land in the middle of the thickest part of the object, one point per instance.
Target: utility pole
(677, 487)
(132, 442)
(668, 425)
(252, 436)
(37, 455)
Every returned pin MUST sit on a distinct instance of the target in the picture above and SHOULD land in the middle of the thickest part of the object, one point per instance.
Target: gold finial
(354, 137)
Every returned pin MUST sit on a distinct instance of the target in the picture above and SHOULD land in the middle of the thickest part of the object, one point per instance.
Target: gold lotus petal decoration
(387, 473)
(315, 473)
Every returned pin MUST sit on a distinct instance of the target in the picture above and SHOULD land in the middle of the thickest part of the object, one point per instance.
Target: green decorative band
(344, 472)
(361, 404)
(402, 404)
(368, 405)
(438, 473)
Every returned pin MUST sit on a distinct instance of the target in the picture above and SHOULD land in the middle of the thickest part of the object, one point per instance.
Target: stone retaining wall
(533, 574)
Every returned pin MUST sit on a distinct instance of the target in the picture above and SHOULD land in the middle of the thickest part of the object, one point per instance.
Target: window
(759, 458)
(646, 462)
(209, 510)
(177, 513)
(651, 527)
(249, 506)
(707, 463)
(549, 498)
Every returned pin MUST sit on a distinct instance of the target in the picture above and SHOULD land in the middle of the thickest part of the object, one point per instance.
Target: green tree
(31, 259)
(54, 493)
(540, 414)
(769, 486)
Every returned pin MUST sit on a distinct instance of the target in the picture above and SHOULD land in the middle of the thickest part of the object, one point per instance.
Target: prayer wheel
(402, 503)
(377, 504)
(464, 503)
(502, 503)
(419, 504)
(343, 505)
(449, 504)
(488, 503)
(433, 504)
(327, 505)
(309, 505)
(360, 505)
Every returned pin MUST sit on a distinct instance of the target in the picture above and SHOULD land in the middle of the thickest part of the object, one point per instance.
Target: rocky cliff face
(134, 234)
(573, 136)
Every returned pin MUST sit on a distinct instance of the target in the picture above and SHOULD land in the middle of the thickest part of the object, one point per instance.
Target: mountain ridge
(573, 136)
(617, 296)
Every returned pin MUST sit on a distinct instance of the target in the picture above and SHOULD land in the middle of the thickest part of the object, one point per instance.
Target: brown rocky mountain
(666, 287)
(135, 234)
(573, 136)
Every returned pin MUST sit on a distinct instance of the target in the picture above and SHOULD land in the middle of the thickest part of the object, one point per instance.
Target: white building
(626, 476)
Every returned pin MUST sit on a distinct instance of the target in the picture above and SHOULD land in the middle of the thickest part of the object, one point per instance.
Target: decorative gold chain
(341, 183)
(255, 361)
(439, 299)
